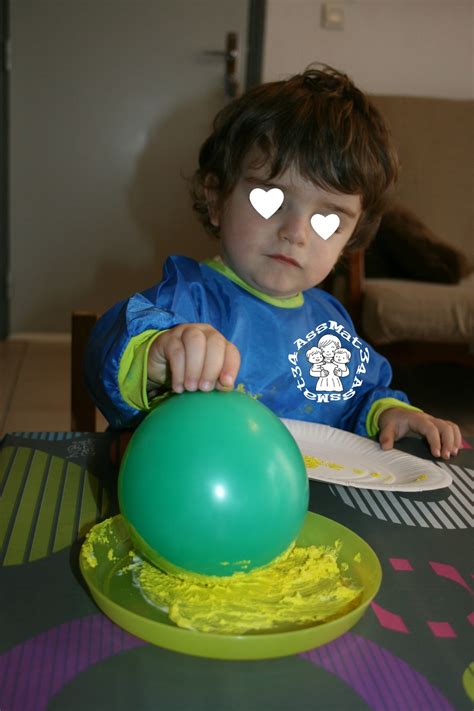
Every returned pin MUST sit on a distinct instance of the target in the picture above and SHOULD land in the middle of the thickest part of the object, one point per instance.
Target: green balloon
(212, 483)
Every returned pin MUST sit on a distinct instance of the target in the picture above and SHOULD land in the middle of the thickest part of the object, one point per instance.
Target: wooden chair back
(83, 411)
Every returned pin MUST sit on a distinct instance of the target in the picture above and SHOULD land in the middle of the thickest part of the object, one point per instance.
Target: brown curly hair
(318, 121)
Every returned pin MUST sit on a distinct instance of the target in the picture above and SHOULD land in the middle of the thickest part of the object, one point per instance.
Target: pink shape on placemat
(465, 444)
(441, 629)
(449, 571)
(470, 618)
(400, 564)
(389, 620)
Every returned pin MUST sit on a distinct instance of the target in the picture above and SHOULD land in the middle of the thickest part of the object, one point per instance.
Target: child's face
(283, 255)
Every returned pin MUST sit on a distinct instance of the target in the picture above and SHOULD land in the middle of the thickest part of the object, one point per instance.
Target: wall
(407, 47)
(109, 103)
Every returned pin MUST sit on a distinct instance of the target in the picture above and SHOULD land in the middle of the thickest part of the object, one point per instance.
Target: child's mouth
(283, 258)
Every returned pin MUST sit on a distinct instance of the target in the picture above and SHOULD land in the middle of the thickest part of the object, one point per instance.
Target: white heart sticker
(266, 202)
(325, 226)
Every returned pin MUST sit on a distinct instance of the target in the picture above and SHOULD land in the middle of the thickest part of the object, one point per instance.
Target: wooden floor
(35, 385)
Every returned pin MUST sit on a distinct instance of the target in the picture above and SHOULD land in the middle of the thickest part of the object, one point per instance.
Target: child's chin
(280, 293)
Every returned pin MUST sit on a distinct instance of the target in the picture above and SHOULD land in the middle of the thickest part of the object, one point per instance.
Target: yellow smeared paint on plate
(302, 587)
(99, 534)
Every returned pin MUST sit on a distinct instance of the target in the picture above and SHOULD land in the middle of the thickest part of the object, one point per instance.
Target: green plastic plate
(112, 588)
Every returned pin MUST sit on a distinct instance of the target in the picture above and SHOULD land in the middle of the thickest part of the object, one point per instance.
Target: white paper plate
(338, 457)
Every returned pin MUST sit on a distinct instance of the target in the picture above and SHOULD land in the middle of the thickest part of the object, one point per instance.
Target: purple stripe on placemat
(45, 674)
(33, 672)
(400, 687)
(368, 675)
(392, 680)
(360, 673)
(21, 689)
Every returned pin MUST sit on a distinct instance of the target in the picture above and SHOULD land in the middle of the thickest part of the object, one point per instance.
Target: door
(109, 103)
(4, 70)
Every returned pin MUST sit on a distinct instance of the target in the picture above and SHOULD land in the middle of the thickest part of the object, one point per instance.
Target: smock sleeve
(179, 298)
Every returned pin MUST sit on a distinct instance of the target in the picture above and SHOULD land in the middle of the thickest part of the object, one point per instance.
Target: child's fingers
(164, 347)
(440, 434)
(230, 367)
(183, 349)
(451, 438)
(446, 433)
(174, 354)
(214, 360)
(457, 438)
(444, 437)
(198, 356)
(195, 342)
(425, 425)
(387, 436)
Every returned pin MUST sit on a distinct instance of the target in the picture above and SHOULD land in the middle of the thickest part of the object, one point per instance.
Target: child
(293, 173)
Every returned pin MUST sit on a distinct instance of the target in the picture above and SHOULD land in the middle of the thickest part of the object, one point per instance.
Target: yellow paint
(304, 586)
(313, 462)
(241, 389)
(301, 587)
(99, 534)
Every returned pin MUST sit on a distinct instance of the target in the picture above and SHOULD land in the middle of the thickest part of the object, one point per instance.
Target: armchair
(409, 320)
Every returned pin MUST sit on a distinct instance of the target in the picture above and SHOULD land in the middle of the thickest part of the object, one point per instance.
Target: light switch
(332, 16)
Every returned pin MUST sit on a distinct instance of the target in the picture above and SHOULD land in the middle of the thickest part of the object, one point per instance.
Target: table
(411, 651)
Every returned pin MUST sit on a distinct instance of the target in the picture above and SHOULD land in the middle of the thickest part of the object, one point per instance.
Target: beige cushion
(398, 310)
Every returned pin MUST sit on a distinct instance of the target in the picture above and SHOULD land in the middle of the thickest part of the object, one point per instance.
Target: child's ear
(211, 192)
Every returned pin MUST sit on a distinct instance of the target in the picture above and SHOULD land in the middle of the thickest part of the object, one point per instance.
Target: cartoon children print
(329, 363)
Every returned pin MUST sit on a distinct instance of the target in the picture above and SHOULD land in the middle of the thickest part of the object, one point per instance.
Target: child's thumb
(386, 437)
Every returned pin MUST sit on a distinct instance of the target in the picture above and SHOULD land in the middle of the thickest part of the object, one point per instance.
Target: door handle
(231, 54)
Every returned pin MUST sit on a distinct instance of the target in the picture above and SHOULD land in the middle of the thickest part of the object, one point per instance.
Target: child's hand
(196, 355)
(444, 437)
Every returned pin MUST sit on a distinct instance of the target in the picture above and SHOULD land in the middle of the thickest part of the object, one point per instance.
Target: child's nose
(294, 229)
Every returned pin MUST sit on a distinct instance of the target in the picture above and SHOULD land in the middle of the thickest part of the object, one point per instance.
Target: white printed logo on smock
(266, 202)
(320, 363)
(325, 226)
